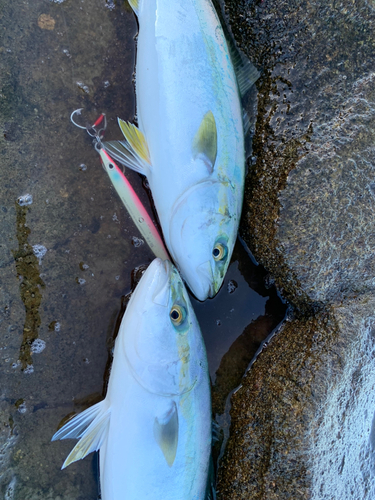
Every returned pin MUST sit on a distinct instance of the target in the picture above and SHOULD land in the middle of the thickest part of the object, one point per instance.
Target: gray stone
(309, 199)
(302, 422)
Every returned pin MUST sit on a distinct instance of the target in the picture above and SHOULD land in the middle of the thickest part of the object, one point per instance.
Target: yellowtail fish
(153, 429)
(190, 138)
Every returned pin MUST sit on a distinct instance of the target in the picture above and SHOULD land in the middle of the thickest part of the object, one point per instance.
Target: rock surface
(313, 163)
(302, 422)
(56, 222)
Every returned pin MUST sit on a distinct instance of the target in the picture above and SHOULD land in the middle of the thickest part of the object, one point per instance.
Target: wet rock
(302, 422)
(46, 22)
(47, 203)
(8, 439)
(309, 201)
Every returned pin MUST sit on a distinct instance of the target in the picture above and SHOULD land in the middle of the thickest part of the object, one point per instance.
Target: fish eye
(177, 315)
(219, 252)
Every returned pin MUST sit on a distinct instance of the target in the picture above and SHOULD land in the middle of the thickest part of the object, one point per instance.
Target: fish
(153, 430)
(190, 138)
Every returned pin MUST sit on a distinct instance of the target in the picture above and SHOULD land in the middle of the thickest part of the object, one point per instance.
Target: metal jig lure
(132, 203)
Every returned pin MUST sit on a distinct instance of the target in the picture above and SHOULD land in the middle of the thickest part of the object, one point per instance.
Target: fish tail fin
(90, 427)
(134, 4)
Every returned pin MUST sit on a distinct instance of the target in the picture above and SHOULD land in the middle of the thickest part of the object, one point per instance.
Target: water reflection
(241, 301)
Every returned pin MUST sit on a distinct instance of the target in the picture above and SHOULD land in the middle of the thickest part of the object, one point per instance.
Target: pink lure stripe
(134, 206)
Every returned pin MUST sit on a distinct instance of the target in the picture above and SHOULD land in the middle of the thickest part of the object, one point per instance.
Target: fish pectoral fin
(205, 140)
(136, 140)
(166, 433)
(91, 426)
(119, 151)
(134, 4)
(133, 152)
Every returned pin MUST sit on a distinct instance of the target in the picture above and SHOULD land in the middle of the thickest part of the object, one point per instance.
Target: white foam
(25, 200)
(38, 346)
(39, 252)
(29, 369)
(22, 408)
(343, 446)
(137, 242)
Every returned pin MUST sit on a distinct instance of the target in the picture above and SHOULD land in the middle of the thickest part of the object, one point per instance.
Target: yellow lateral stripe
(136, 140)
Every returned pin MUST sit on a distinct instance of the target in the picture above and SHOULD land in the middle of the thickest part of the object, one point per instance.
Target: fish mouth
(204, 287)
(162, 278)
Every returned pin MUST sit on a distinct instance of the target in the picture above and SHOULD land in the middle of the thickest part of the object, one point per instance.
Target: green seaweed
(27, 267)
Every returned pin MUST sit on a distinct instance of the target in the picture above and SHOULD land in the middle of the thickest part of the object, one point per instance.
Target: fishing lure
(132, 203)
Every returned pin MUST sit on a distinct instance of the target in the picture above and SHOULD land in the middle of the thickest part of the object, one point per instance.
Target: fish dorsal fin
(134, 4)
(166, 433)
(205, 141)
(246, 72)
(91, 426)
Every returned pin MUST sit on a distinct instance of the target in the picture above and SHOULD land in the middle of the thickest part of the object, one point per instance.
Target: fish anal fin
(136, 140)
(76, 426)
(205, 140)
(246, 122)
(134, 4)
(91, 440)
(91, 426)
(166, 433)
